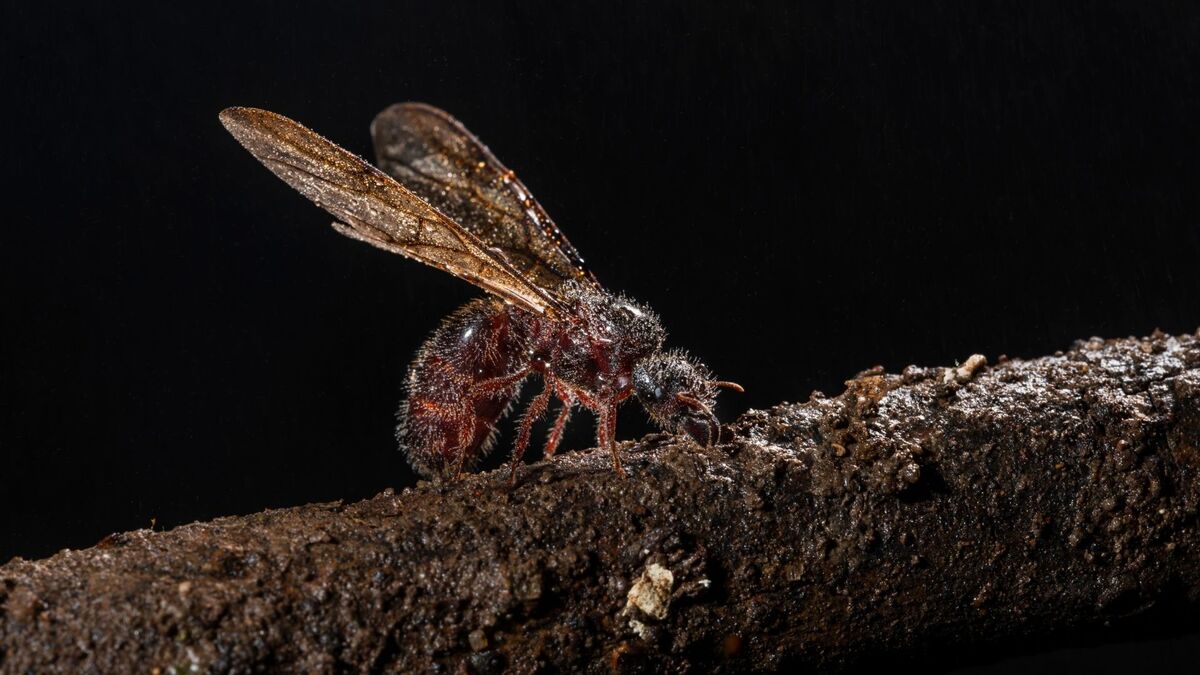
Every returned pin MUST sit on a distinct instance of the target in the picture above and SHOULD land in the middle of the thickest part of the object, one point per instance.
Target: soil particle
(651, 593)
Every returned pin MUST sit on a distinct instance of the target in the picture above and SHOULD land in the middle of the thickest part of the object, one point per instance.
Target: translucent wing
(434, 155)
(374, 208)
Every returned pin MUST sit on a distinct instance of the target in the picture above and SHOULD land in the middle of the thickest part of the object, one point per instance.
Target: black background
(801, 191)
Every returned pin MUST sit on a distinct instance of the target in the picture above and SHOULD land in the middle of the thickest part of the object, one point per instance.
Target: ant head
(679, 394)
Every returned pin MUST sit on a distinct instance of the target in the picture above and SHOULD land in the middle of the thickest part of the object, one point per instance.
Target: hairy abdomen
(462, 381)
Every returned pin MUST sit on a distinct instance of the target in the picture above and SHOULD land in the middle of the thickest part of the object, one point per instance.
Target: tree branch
(975, 503)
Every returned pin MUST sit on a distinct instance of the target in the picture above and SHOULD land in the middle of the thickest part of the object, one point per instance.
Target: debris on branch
(940, 505)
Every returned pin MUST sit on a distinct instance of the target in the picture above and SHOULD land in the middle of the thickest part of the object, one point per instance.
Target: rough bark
(940, 505)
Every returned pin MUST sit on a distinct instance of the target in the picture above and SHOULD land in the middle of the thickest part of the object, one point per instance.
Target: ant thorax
(597, 345)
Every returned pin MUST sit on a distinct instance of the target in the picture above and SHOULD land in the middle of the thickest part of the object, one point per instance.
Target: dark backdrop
(802, 192)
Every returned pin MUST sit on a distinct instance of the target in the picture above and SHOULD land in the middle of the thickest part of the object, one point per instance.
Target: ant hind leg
(461, 451)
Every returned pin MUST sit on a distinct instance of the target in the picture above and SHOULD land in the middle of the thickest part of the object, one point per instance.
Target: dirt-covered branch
(960, 504)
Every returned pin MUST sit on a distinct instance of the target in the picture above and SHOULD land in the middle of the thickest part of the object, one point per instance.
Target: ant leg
(612, 440)
(494, 385)
(560, 423)
(462, 450)
(464, 436)
(606, 431)
(536, 409)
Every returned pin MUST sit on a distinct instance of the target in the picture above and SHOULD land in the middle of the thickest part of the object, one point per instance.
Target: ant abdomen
(461, 383)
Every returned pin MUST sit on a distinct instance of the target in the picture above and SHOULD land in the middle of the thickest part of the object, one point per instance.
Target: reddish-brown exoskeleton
(447, 201)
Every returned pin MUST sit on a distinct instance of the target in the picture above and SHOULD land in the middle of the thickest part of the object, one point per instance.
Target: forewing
(374, 208)
(434, 155)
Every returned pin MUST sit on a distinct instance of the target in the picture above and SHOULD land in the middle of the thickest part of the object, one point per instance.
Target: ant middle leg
(560, 423)
(536, 409)
(606, 435)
